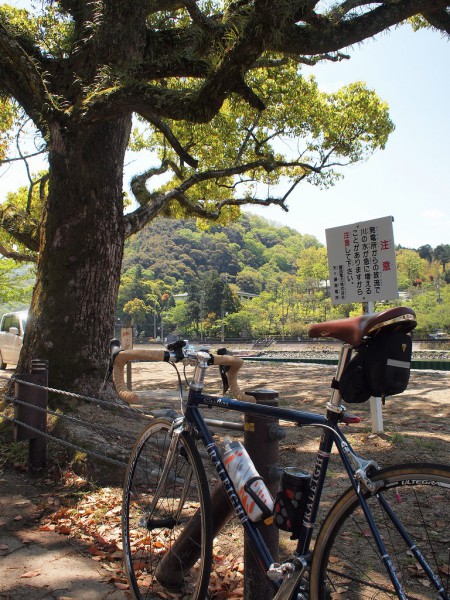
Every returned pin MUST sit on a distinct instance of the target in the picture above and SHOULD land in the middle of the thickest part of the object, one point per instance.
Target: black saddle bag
(380, 367)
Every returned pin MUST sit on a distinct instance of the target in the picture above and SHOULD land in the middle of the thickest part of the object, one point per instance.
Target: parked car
(439, 335)
(12, 328)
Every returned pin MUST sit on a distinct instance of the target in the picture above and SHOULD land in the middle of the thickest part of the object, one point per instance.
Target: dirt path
(416, 423)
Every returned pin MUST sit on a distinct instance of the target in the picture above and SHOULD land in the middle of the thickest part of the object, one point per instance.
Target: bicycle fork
(147, 520)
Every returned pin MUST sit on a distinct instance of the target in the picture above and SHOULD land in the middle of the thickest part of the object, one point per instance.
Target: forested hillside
(253, 278)
(250, 279)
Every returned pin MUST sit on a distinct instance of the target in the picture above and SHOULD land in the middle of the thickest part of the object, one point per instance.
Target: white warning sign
(361, 262)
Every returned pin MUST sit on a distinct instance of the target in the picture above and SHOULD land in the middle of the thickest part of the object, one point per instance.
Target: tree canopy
(216, 84)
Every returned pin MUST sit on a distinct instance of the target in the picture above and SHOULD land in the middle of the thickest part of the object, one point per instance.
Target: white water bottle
(249, 485)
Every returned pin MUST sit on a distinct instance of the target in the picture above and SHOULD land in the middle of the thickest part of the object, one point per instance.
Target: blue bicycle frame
(331, 434)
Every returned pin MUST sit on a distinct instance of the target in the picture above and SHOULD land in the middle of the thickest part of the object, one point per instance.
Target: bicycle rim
(346, 562)
(167, 548)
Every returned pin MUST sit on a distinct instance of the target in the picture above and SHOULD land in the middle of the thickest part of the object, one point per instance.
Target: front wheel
(167, 543)
(346, 564)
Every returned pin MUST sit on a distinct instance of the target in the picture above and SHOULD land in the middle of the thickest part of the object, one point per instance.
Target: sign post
(362, 267)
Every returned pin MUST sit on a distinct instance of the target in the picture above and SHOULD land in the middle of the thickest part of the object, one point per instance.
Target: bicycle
(170, 528)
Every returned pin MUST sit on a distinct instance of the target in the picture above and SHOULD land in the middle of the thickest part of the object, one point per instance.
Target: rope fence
(31, 414)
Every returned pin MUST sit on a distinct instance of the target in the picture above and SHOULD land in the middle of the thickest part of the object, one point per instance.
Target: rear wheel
(168, 546)
(346, 564)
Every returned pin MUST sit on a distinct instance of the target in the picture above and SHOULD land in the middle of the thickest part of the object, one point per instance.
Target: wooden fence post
(33, 396)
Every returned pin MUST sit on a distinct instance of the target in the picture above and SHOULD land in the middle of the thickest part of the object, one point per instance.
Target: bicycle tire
(346, 563)
(158, 563)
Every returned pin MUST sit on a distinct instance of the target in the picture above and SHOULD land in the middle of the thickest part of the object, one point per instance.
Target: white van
(12, 328)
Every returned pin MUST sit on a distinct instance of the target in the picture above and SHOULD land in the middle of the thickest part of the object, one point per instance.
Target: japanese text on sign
(361, 262)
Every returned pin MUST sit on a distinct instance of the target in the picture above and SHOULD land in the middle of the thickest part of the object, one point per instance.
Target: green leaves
(304, 133)
(50, 30)
(357, 122)
(8, 113)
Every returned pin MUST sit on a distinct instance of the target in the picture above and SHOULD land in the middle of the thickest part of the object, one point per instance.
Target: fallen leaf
(63, 529)
(121, 586)
(30, 574)
(95, 550)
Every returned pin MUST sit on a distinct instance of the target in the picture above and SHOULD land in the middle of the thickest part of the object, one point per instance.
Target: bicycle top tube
(251, 408)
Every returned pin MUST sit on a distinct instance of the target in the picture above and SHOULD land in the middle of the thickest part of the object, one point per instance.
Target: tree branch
(22, 157)
(22, 77)
(439, 19)
(18, 256)
(327, 35)
(198, 17)
(22, 227)
(138, 184)
(206, 213)
(268, 63)
(151, 204)
(172, 139)
(139, 218)
(342, 9)
(154, 102)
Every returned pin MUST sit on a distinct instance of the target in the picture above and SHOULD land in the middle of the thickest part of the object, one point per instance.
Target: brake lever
(114, 349)
(177, 349)
(223, 370)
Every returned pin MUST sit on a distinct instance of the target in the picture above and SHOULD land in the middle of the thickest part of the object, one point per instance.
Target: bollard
(37, 448)
(261, 439)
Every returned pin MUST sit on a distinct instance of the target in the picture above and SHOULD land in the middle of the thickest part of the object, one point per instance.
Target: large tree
(216, 82)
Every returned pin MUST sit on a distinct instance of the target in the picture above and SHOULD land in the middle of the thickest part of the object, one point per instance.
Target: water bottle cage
(254, 496)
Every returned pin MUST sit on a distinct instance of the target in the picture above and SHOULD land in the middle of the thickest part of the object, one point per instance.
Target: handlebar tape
(127, 355)
(233, 362)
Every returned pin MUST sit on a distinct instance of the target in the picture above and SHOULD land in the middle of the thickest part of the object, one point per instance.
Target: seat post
(344, 357)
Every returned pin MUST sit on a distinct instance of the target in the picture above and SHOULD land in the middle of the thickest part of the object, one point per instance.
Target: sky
(409, 180)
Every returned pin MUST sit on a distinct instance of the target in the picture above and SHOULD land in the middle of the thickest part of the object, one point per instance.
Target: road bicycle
(386, 536)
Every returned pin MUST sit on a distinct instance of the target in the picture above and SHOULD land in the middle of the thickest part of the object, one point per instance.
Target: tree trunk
(74, 301)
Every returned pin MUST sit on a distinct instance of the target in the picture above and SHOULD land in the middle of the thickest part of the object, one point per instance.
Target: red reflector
(348, 418)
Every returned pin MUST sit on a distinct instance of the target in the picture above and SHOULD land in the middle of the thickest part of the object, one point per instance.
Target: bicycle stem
(198, 379)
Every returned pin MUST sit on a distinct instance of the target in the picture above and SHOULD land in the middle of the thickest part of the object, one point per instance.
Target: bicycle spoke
(411, 509)
(165, 556)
